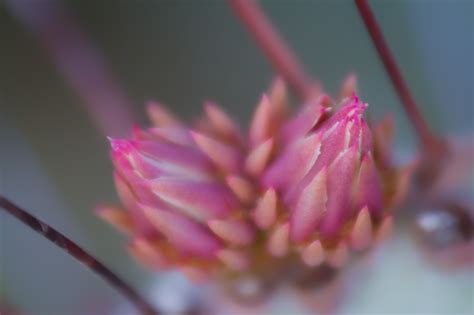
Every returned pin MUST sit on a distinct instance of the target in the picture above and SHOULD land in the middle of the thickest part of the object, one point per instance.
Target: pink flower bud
(206, 200)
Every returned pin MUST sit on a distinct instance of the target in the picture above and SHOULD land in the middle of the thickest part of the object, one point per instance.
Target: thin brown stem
(78, 253)
(429, 141)
(273, 46)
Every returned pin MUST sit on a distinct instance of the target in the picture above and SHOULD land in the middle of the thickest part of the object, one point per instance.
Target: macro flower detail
(211, 200)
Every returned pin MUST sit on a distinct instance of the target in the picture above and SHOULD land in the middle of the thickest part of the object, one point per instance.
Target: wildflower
(211, 200)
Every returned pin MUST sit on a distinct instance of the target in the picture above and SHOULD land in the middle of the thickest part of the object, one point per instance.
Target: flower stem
(430, 142)
(273, 46)
(78, 61)
(78, 253)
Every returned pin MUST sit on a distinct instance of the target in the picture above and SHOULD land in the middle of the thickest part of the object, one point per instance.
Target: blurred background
(55, 162)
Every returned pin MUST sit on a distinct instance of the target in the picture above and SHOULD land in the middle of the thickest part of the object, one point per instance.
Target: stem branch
(273, 46)
(78, 253)
(429, 141)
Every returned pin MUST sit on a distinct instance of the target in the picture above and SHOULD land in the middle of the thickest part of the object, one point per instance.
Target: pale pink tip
(258, 158)
(338, 257)
(385, 229)
(224, 156)
(176, 135)
(234, 259)
(279, 99)
(260, 127)
(160, 116)
(309, 208)
(117, 217)
(402, 184)
(278, 242)
(349, 86)
(200, 200)
(184, 233)
(242, 188)
(148, 254)
(237, 232)
(313, 254)
(220, 121)
(265, 213)
(361, 234)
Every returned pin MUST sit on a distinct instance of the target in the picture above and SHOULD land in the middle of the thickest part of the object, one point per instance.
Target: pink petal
(260, 127)
(352, 108)
(234, 259)
(221, 122)
(182, 232)
(129, 200)
(117, 217)
(309, 208)
(258, 158)
(139, 134)
(349, 86)
(148, 254)
(278, 95)
(160, 116)
(368, 190)
(200, 200)
(242, 188)
(265, 213)
(150, 159)
(308, 117)
(187, 157)
(278, 243)
(176, 135)
(338, 257)
(294, 163)
(340, 179)
(237, 232)
(385, 229)
(383, 138)
(313, 254)
(361, 234)
(127, 197)
(402, 184)
(224, 156)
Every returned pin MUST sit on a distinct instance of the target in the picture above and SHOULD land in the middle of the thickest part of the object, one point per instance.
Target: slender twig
(78, 253)
(273, 46)
(79, 62)
(429, 141)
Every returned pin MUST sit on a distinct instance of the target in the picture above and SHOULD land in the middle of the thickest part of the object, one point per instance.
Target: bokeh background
(54, 161)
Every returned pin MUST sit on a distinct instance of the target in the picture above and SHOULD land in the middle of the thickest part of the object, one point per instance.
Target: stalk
(273, 46)
(432, 145)
(79, 254)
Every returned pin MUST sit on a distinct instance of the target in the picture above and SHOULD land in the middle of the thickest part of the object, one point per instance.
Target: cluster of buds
(306, 189)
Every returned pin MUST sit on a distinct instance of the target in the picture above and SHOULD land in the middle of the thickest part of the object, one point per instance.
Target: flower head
(212, 200)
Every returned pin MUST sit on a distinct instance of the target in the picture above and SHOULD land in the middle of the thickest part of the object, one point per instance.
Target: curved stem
(273, 46)
(78, 253)
(430, 142)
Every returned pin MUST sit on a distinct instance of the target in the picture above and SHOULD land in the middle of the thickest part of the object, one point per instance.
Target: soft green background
(55, 163)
